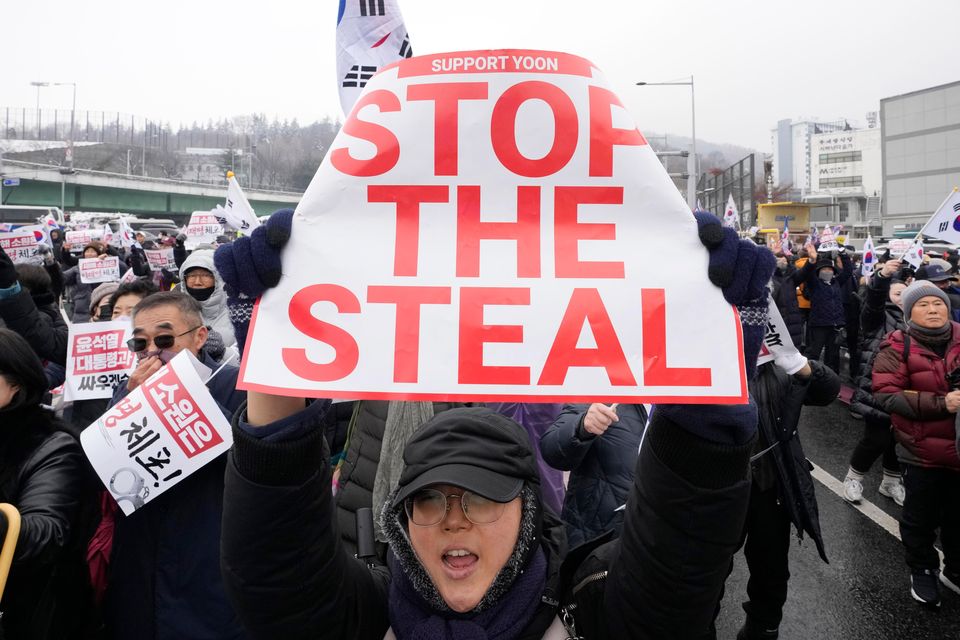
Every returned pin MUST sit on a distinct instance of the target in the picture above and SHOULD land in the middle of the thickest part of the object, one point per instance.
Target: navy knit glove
(250, 265)
(742, 270)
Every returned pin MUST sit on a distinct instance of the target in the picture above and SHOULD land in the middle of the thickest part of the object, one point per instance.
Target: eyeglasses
(164, 341)
(429, 507)
(199, 276)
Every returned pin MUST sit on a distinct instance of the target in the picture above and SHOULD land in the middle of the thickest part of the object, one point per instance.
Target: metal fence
(738, 180)
(21, 123)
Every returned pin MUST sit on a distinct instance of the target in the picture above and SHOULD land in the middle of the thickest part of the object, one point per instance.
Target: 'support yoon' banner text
(491, 225)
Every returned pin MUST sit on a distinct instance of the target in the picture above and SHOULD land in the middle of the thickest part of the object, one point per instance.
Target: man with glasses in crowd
(165, 578)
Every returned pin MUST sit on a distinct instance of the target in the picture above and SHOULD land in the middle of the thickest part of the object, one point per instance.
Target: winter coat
(289, 575)
(826, 299)
(41, 475)
(912, 390)
(601, 468)
(878, 318)
(537, 418)
(780, 399)
(361, 458)
(41, 326)
(784, 294)
(215, 314)
(79, 293)
(165, 580)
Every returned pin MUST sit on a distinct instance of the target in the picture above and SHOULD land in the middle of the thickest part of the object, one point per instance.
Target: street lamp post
(38, 85)
(692, 168)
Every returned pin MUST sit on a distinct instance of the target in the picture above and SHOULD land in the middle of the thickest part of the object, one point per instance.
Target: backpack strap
(906, 346)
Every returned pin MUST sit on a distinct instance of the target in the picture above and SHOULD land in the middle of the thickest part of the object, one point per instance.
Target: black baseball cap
(474, 448)
(934, 273)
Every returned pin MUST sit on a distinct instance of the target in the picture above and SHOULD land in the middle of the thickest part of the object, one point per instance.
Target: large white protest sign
(202, 228)
(98, 359)
(94, 270)
(162, 432)
(160, 258)
(501, 205)
(22, 244)
(777, 341)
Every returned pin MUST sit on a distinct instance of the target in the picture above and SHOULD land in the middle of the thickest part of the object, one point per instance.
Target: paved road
(864, 592)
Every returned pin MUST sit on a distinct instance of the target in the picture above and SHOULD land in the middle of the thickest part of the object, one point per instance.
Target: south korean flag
(370, 35)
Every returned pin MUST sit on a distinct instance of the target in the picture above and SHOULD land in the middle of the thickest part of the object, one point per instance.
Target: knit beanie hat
(917, 290)
(105, 290)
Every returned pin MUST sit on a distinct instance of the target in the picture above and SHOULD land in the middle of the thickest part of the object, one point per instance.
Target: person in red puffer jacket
(910, 382)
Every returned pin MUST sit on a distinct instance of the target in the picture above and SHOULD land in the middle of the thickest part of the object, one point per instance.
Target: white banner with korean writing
(93, 270)
(22, 244)
(777, 341)
(98, 359)
(162, 432)
(82, 237)
(481, 230)
(202, 228)
(161, 258)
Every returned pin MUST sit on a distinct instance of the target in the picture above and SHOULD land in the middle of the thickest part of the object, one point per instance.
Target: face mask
(200, 295)
(825, 275)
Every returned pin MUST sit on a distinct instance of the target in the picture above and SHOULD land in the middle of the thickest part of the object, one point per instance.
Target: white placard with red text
(162, 432)
(98, 359)
(21, 244)
(202, 228)
(777, 340)
(81, 237)
(492, 226)
(160, 258)
(93, 270)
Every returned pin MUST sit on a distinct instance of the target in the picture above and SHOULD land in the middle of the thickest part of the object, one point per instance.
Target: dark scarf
(413, 619)
(936, 339)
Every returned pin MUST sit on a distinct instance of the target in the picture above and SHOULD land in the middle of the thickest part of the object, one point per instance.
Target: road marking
(867, 508)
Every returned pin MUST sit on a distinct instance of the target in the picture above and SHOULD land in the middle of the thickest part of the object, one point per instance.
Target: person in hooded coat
(41, 474)
(827, 316)
(200, 279)
(782, 491)
(28, 307)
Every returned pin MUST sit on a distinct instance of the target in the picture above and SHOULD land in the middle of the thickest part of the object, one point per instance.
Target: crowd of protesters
(490, 521)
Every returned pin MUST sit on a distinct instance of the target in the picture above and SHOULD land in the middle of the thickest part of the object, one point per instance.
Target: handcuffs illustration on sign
(136, 495)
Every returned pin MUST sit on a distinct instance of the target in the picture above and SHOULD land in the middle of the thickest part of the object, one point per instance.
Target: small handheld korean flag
(914, 254)
(944, 224)
(785, 239)
(236, 213)
(869, 257)
(731, 217)
(370, 35)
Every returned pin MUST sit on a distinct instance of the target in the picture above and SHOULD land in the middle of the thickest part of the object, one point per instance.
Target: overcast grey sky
(754, 62)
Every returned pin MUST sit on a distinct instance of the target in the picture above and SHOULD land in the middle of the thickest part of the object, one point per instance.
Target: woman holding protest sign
(474, 554)
(41, 475)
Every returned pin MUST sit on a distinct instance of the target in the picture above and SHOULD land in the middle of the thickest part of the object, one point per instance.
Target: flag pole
(935, 212)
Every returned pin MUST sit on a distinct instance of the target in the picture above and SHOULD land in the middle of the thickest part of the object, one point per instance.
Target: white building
(791, 151)
(846, 174)
(921, 155)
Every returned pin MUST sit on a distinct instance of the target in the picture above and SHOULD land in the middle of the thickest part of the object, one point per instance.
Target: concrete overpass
(86, 190)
